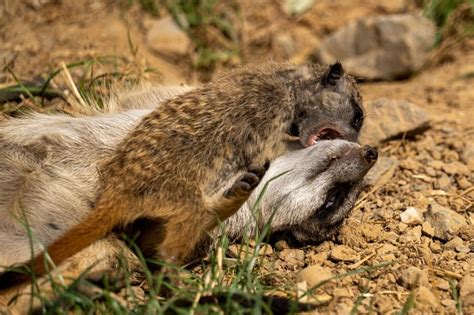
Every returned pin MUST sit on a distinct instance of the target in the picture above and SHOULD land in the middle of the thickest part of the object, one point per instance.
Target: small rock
(448, 303)
(435, 247)
(466, 291)
(386, 248)
(445, 222)
(382, 172)
(281, 245)
(463, 183)
(413, 277)
(343, 292)
(411, 216)
(165, 37)
(412, 235)
(425, 296)
(265, 249)
(292, 256)
(383, 47)
(466, 232)
(390, 119)
(427, 229)
(318, 258)
(452, 244)
(314, 274)
(443, 183)
(463, 249)
(297, 7)
(442, 284)
(455, 168)
(344, 253)
(402, 227)
(468, 154)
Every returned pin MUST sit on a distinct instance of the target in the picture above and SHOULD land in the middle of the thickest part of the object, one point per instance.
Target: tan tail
(102, 219)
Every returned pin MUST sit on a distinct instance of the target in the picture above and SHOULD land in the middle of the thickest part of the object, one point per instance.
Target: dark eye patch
(358, 117)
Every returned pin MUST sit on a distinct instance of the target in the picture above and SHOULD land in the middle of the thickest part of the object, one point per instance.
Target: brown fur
(180, 165)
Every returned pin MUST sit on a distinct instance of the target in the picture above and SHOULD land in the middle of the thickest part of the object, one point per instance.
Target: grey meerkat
(311, 200)
(49, 167)
(194, 160)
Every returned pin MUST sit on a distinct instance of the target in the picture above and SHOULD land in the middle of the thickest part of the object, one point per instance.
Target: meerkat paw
(246, 183)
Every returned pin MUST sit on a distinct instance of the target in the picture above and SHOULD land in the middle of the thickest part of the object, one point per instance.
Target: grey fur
(48, 175)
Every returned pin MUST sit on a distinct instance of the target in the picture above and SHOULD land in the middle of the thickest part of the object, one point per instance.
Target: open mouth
(323, 134)
(334, 200)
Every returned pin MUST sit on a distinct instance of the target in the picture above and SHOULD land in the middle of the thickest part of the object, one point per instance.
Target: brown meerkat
(194, 160)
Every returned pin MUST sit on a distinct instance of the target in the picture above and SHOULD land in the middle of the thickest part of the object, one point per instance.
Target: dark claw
(246, 183)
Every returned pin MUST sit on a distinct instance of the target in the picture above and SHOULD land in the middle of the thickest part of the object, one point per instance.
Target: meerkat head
(328, 104)
(340, 179)
(318, 190)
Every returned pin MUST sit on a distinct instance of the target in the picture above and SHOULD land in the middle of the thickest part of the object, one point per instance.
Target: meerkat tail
(96, 225)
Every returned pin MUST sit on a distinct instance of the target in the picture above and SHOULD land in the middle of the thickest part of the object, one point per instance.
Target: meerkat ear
(333, 74)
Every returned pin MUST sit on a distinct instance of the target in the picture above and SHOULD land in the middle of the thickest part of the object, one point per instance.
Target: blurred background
(413, 58)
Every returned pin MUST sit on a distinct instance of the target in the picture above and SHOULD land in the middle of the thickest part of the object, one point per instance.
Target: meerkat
(311, 201)
(181, 166)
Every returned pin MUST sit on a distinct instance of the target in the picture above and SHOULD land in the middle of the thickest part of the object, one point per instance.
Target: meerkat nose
(370, 154)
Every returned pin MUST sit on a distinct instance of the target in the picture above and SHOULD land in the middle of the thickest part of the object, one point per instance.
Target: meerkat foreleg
(175, 237)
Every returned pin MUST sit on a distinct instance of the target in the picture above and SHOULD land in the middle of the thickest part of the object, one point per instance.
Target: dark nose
(369, 154)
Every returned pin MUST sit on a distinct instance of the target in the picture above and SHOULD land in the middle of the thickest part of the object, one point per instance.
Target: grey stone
(388, 119)
(165, 37)
(446, 222)
(381, 47)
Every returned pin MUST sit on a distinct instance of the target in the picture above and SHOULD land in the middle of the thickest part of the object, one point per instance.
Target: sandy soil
(433, 171)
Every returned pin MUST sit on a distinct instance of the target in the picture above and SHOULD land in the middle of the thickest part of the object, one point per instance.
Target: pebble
(411, 216)
(466, 291)
(455, 168)
(292, 256)
(463, 249)
(412, 277)
(413, 235)
(317, 258)
(442, 284)
(443, 183)
(390, 119)
(314, 274)
(344, 253)
(281, 245)
(452, 244)
(425, 296)
(427, 229)
(386, 248)
(165, 37)
(445, 221)
(448, 303)
(435, 248)
(463, 183)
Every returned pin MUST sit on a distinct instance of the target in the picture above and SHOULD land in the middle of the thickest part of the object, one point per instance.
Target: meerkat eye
(358, 117)
(294, 130)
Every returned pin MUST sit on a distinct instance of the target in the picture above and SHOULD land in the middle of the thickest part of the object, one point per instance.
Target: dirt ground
(433, 170)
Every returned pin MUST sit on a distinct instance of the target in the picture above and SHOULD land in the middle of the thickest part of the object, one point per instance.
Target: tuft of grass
(453, 285)
(211, 26)
(83, 84)
(451, 17)
(409, 304)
